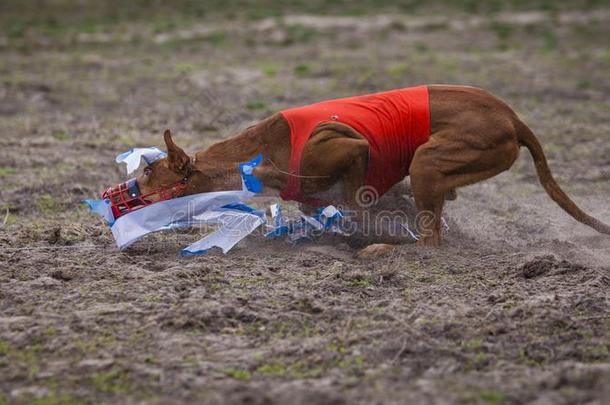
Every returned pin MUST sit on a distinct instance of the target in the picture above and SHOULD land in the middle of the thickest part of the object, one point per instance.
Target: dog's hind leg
(450, 160)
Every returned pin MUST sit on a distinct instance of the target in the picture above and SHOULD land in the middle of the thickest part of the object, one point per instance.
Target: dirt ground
(513, 309)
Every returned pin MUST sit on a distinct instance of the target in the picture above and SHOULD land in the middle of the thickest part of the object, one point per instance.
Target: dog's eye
(147, 171)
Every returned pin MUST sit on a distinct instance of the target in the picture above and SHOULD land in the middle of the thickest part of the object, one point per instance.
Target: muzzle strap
(132, 188)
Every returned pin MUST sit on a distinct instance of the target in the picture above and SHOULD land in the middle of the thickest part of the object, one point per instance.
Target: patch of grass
(306, 328)
(426, 279)
(263, 12)
(137, 39)
(480, 360)
(27, 357)
(4, 348)
(255, 105)
(215, 287)
(152, 298)
(7, 171)
(397, 25)
(550, 41)
(296, 370)
(62, 136)
(352, 363)
(366, 77)
(567, 391)
(16, 30)
(525, 358)
(30, 357)
(90, 346)
(309, 328)
(302, 369)
(472, 344)
(400, 69)
(184, 68)
(270, 69)
(136, 337)
(238, 374)
(65, 167)
(217, 39)
(55, 399)
(302, 70)
(47, 204)
(502, 30)
(421, 47)
(346, 363)
(258, 356)
(437, 26)
(599, 352)
(337, 348)
(584, 84)
(491, 396)
(275, 369)
(124, 139)
(114, 381)
(299, 34)
(164, 25)
(280, 330)
(50, 332)
(429, 321)
(362, 282)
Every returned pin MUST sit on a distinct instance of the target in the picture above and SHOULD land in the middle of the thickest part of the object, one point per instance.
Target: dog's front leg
(353, 182)
(337, 153)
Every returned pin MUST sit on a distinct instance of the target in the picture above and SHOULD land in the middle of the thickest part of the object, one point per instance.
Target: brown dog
(473, 136)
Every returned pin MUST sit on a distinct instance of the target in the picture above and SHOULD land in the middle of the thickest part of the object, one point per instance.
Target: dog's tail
(527, 138)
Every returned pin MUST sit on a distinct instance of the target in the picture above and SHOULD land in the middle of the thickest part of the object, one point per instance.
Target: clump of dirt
(548, 265)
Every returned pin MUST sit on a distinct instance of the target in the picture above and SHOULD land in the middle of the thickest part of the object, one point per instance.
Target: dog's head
(175, 168)
(163, 179)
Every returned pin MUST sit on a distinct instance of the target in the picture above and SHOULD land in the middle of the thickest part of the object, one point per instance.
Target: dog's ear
(178, 161)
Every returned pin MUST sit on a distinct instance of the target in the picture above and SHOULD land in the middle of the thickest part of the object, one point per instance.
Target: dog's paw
(375, 250)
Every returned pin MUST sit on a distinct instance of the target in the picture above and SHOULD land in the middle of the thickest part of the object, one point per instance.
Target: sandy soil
(514, 308)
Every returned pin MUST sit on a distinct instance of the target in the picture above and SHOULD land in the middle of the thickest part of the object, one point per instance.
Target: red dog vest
(395, 123)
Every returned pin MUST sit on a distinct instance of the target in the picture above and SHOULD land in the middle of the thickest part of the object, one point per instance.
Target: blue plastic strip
(239, 207)
(279, 227)
(101, 208)
(188, 253)
(246, 170)
(307, 227)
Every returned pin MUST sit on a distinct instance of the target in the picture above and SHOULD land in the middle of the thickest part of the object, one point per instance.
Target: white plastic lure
(133, 157)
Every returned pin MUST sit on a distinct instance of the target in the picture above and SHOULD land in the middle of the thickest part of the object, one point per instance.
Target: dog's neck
(217, 168)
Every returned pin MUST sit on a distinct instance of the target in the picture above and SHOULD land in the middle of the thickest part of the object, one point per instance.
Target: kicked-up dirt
(514, 308)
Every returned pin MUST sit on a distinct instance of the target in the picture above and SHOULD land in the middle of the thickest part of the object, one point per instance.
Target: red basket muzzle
(126, 197)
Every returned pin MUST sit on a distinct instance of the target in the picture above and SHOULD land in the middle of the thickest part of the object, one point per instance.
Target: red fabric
(395, 123)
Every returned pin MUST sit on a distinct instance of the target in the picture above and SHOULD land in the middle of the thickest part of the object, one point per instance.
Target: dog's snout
(123, 191)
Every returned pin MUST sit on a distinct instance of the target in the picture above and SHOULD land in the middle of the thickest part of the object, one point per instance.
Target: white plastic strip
(235, 225)
(170, 214)
(133, 157)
